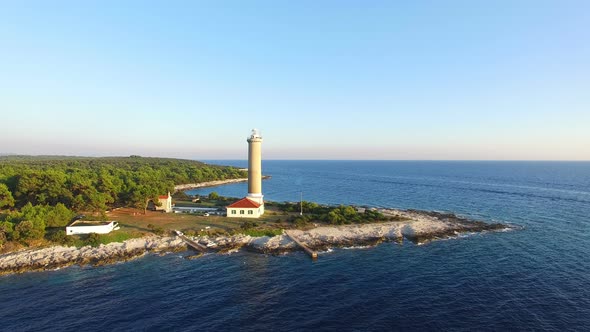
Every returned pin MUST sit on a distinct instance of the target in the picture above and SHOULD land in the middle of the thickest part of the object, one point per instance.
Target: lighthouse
(255, 166)
(251, 206)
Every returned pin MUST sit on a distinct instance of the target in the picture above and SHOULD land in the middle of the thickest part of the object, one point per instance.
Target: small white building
(87, 227)
(245, 208)
(165, 203)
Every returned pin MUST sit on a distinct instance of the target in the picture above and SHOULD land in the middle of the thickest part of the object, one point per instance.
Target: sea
(535, 277)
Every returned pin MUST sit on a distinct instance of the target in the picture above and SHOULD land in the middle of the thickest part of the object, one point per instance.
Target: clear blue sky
(320, 79)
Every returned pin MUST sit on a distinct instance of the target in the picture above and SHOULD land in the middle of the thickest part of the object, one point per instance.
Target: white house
(87, 227)
(245, 208)
(165, 203)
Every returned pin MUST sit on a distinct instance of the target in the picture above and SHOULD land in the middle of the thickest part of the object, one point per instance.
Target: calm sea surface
(537, 278)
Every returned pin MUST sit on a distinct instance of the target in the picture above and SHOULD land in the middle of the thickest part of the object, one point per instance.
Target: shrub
(61, 238)
(301, 221)
(93, 239)
(27, 230)
(155, 229)
(248, 224)
(262, 232)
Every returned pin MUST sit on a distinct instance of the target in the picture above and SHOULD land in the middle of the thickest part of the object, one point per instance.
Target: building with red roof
(165, 203)
(245, 208)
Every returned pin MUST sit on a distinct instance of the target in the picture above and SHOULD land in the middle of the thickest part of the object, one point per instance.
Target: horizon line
(296, 159)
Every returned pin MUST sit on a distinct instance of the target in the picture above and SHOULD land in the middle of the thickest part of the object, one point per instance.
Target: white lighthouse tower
(251, 206)
(255, 167)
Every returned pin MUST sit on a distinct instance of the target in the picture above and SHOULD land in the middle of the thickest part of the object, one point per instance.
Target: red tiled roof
(244, 203)
(163, 197)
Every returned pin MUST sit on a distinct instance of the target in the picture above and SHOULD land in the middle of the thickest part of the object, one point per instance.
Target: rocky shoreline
(418, 227)
(415, 226)
(59, 256)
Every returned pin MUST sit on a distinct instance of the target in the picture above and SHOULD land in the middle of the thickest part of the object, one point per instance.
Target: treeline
(95, 184)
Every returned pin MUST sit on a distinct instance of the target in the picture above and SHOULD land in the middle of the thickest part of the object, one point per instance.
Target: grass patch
(170, 221)
(261, 232)
(117, 237)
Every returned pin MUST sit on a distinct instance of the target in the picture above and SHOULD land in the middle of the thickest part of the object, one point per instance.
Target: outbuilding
(87, 227)
(245, 208)
(165, 203)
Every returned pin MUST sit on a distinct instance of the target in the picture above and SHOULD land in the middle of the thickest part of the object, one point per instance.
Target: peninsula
(39, 196)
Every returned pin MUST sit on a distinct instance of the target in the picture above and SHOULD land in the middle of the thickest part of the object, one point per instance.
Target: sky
(417, 80)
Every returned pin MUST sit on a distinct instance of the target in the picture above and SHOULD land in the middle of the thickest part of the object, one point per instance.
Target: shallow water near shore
(537, 277)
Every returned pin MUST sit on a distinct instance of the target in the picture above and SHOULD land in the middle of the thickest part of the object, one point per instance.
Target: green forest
(46, 191)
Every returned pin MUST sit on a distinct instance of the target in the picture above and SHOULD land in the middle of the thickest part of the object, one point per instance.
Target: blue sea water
(534, 278)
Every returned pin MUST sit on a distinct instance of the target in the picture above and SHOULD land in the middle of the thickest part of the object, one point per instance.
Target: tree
(97, 202)
(27, 230)
(53, 188)
(6, 199)
(58, 216)
(96, 183)
(109, 184)
(214, 196)
(142, 195)
(335, 218)
(27, 186)
(6, 229)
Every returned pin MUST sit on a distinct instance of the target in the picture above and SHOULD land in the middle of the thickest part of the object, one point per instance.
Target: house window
(233, 211)
(250, 212)
(241, 211)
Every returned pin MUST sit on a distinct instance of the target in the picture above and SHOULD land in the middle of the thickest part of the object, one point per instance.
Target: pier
(311, 253)
(191, 243)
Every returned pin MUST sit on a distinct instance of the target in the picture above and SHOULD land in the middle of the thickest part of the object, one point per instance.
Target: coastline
(420, 227)
(189, 186)
(54, 257)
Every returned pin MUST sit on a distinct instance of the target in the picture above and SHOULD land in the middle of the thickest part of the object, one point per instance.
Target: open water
(536, 278)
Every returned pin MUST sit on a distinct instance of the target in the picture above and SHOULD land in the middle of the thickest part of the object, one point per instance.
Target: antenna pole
(301, 213)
